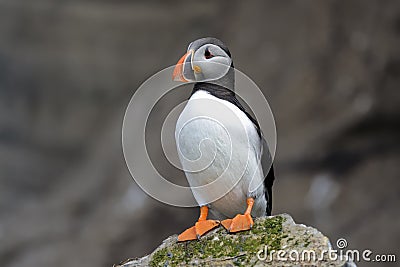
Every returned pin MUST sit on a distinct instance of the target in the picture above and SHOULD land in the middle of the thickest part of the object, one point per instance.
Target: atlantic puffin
(212, 104)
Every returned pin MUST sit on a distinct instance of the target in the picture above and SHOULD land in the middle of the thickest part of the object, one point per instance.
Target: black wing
(268, 183)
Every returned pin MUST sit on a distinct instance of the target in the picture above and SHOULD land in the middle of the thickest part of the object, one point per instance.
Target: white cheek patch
(212, 68)
(215, 68)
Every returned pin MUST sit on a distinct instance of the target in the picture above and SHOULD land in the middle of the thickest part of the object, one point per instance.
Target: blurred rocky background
(330, 70)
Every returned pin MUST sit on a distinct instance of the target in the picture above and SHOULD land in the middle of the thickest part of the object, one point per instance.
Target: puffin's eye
(207, 54)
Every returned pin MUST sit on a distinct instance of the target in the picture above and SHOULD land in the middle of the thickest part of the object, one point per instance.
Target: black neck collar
(214, 89)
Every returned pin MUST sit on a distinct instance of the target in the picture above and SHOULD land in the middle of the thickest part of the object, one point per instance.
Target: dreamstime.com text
(309, 255)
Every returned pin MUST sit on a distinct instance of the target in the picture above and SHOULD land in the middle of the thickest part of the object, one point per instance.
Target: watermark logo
(313, 256)
(188, 143)
(341, 243)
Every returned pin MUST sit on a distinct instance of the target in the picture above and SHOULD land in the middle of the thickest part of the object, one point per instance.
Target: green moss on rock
(241, 246)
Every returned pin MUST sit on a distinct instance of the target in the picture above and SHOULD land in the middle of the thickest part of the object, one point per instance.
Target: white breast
(219, 149)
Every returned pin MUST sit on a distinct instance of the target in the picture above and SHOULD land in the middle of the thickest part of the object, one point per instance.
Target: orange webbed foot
(227, 223)
(239, 223)
(198, 230)
(203, 227)
(188, 234)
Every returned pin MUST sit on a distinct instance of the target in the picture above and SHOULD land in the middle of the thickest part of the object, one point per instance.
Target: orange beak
(178, 71)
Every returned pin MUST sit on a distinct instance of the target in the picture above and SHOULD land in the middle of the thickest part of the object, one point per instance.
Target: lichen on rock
(219, 248)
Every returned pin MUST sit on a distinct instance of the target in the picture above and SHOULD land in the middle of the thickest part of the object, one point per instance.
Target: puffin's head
(206, 59)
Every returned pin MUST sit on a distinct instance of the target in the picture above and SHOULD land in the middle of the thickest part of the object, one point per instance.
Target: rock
(219, 248)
